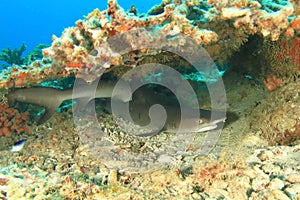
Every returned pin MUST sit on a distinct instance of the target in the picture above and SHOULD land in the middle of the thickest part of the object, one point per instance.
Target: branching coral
(13, 56)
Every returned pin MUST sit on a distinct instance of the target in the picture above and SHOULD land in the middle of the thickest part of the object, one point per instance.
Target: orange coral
(296, 23)
(123, 28)
(74, 65)
(272, 82)
(12, 121)
(20, 78)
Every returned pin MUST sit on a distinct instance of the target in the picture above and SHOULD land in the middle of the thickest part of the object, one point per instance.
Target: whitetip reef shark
(144, 98)
(51, 99)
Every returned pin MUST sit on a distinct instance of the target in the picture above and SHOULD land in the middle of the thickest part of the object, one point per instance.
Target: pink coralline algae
(290, 50)
(219, 26)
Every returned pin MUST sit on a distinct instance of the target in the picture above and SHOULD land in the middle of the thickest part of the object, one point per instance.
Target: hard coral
(12, 121)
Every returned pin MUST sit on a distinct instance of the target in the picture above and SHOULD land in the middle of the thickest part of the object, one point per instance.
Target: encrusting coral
(221, 27)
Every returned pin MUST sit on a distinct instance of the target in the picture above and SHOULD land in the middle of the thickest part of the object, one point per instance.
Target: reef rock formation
(221, 27)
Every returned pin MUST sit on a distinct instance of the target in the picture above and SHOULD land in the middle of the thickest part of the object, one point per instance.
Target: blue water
(34, 21)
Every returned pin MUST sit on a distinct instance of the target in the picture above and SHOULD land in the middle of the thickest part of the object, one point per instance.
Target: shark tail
(11, 98)
(51, 103)
(49, 98)
(49, 111)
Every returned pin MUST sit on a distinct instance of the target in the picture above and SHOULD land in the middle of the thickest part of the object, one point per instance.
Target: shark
(140, 117)
(139, 101)
(144, 98)
(52, 98)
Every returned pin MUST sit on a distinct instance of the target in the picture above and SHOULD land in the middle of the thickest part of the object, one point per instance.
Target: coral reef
(222, 27)
(277, 118)
(56, 165)
(290, 49)
(35, 54)
(280, 58)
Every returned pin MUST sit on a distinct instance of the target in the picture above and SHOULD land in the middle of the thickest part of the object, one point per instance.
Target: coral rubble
(220, 26)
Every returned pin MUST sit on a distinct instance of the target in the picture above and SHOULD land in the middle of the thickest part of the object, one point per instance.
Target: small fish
(17, 146)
